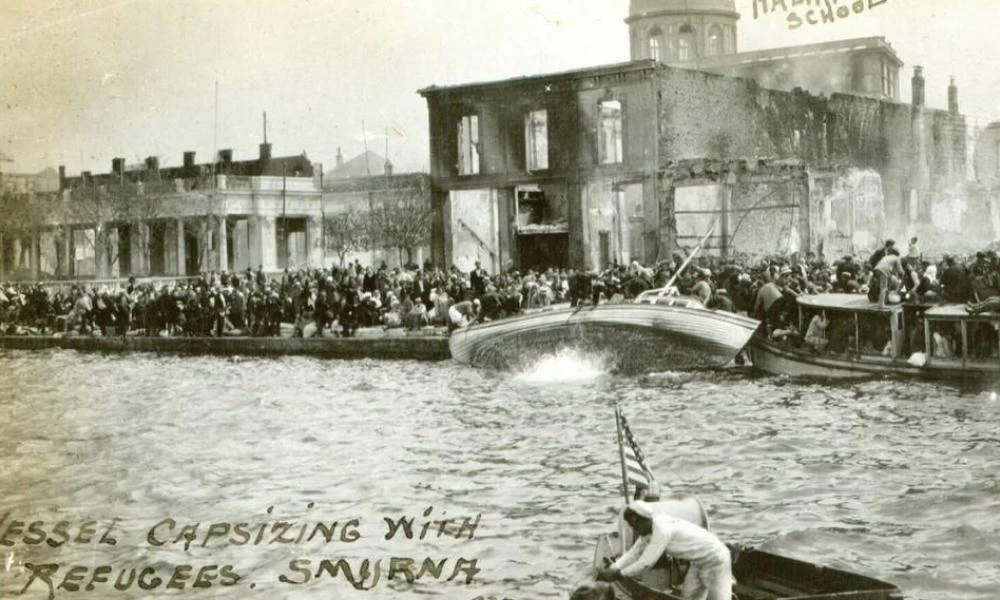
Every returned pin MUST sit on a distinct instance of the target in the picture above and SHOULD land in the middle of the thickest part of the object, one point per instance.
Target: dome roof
(638, 8)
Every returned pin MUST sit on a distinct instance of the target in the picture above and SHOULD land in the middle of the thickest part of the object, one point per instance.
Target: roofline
(785, 52)
(611, 69)
(666, 12)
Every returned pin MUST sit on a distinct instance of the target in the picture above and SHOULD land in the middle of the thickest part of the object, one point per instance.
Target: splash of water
(566, 364)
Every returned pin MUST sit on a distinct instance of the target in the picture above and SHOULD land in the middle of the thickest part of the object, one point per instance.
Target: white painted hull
(796, 362)
(626, 337)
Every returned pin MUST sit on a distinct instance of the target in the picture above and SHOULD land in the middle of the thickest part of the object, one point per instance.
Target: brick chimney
(62, 177)
(87, 177)
(388, 167)
(226, 157)
(118, 166)
(189, 160)
(953, 97)
(265, 152)
(152, 164)
(340, 157)
(918, 86)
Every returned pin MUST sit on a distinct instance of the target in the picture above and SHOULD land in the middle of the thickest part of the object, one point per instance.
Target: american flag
(634, 469)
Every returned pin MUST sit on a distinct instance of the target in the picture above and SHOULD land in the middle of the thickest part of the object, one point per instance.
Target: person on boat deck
(462, 314)
(888, 248)
(702, 288)
(710, 575)
(816, 333)
(774, 300)
(914, 251)
(886, 276)
(721, 301)
(954, 283)
(929, 288)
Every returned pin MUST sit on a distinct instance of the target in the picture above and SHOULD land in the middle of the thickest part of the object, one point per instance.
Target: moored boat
(866, 340)
(658, 335)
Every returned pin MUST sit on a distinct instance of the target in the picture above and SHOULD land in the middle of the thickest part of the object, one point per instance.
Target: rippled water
(898, 481)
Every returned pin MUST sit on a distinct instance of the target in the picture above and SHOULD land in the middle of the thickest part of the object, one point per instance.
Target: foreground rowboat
(671, 334)
(758, 575)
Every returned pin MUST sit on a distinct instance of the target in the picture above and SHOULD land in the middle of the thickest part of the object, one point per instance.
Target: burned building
(578, 168)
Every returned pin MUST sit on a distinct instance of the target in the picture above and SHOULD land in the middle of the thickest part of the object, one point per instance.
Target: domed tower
(674, 31)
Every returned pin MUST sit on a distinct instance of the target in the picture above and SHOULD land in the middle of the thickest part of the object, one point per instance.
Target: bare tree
(345, 232)
(405, 228)
(401, 221)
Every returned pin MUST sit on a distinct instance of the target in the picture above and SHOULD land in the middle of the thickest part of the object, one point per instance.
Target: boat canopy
(851, 302)
(957, 312)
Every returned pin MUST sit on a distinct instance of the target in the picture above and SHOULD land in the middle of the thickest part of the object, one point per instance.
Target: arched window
(715, 43)
(684, 47)
(685, 43)
(656, 44)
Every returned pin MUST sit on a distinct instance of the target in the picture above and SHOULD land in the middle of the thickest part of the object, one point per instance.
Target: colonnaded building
(222, 215)
(788, 149)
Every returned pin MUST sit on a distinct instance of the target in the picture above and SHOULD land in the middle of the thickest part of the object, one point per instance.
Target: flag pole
(621, 451)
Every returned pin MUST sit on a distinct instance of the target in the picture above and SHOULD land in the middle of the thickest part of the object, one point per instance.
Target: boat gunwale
(747, 323)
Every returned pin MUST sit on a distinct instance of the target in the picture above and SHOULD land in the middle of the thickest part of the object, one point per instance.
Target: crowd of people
(339, 300)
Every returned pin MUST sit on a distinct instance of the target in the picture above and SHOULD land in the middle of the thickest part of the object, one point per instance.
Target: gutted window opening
(536, 137)
(542, 228)
(468, 145)
(611, 132)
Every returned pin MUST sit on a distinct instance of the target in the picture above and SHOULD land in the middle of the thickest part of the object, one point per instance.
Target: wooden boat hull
(758, 575)
(778, 359)
(626, 337)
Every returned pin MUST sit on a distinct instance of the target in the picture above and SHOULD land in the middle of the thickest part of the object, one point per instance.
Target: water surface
(893, 480)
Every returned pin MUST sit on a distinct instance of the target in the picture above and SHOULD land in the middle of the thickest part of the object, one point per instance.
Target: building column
(18, 260)
(269, 243)
(100, 254)
(181, 254)
(255, 243)
(33, 258)
(67, 251)
(223, 246)
(314, 243)
(205, 236)
(144, 234)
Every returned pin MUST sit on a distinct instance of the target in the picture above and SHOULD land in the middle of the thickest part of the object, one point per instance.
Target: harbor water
(146, 476)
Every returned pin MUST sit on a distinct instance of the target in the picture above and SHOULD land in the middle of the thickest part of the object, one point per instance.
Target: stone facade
(614, 210)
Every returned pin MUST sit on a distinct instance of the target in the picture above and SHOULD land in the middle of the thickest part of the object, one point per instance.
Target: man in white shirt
(710, 575)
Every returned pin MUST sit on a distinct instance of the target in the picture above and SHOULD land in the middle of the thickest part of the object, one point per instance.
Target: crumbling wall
(910, 148)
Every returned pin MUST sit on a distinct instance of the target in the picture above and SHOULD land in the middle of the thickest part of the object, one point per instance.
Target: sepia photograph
(499, 299)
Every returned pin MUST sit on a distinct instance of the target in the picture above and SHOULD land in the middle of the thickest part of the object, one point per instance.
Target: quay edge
(384, 347)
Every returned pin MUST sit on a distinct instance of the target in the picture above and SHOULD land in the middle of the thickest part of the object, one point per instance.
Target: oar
(687, 261)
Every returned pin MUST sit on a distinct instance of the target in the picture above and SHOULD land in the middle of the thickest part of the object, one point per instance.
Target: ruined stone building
(632, 161)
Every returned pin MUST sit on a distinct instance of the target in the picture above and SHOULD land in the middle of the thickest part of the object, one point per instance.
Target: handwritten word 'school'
(812, 12)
